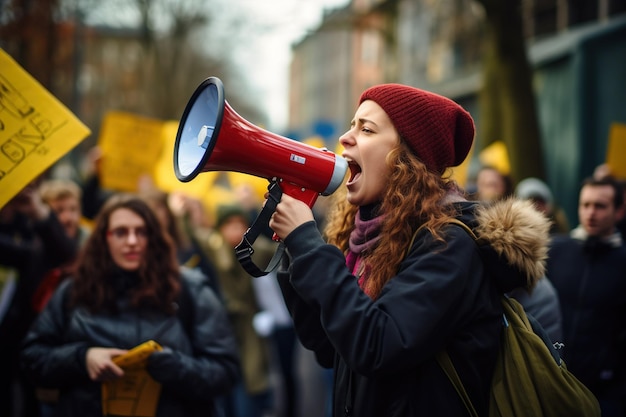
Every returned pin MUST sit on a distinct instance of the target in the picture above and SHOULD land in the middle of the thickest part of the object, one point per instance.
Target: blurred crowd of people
(581, 301)
(87, 274)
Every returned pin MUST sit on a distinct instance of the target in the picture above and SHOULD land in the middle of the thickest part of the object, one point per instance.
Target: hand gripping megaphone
(213, 137)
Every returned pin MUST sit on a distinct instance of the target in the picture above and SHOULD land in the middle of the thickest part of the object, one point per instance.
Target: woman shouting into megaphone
(393, 282)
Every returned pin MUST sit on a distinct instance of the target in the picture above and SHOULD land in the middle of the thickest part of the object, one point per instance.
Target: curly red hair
(413, 199)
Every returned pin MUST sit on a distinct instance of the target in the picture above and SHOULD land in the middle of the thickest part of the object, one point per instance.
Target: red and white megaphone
(213, 137)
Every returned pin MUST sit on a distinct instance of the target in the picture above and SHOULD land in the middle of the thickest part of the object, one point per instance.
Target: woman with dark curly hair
(129, 289)
(398, 280)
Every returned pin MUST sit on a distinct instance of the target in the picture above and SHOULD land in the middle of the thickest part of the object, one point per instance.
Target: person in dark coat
(397, 282)
(32, 241)
(129, 289)
(588, 270)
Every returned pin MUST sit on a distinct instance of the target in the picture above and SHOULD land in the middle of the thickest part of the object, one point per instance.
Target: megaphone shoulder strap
(244, 249)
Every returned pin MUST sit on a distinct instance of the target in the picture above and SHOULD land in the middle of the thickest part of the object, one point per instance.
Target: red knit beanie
(438, 130)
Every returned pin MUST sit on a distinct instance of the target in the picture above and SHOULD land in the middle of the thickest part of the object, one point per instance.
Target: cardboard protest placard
(36, 129)
(136, 393)
(616, 151)
(131, 146)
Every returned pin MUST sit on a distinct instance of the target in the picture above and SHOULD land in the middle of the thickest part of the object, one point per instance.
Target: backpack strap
(464, 227)
(443, 358)
(451, 221)
(448, 367)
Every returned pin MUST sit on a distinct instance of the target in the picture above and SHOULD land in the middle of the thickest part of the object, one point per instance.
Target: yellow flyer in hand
(136, 394)
(35, 128)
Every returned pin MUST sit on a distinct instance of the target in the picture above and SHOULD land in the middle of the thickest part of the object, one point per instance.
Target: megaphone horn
(213, 137)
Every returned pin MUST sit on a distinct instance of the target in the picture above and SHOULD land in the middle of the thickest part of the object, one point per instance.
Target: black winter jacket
(200, 361)
(383, 351)
(32, 248)
(590, 277)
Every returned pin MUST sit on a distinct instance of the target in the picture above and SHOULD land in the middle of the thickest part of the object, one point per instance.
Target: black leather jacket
(200, 361)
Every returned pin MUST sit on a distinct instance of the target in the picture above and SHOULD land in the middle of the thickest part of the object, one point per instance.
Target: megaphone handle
(298, 192)
(244, 249)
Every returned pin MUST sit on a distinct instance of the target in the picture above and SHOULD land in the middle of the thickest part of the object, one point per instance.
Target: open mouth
(355, 171)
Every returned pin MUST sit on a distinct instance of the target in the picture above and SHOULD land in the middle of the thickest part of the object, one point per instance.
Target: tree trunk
(507, 102)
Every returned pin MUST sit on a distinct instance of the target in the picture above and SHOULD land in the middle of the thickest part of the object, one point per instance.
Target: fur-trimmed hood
(513, 237)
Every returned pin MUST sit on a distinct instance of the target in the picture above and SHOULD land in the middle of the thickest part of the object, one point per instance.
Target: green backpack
(530, 378)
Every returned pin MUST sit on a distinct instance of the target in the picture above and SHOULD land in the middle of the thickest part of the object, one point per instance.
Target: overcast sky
(256, 34)
(266, 55)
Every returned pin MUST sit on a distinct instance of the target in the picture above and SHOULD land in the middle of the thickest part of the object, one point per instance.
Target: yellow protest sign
(131, 146)
(616, 151)
(36, 129)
